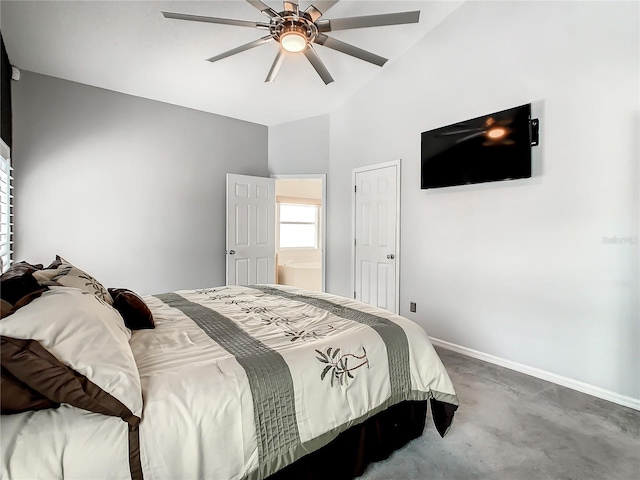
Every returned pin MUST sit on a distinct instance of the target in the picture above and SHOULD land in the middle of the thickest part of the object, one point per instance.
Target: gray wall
(131, 190)
(519, 270)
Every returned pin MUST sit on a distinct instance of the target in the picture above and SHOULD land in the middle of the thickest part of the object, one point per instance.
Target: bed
(233, 382)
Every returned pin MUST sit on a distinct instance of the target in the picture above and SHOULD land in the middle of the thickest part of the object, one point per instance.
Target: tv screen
(484, 149)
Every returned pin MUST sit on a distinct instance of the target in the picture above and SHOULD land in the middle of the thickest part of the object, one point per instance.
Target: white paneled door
(251, 246)
(376, 216)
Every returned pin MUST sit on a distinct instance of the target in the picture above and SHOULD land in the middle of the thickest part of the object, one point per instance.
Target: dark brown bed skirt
(349, 454)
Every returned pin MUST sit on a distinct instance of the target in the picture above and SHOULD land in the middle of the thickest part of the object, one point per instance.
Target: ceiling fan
(494, 131)
(297, 31)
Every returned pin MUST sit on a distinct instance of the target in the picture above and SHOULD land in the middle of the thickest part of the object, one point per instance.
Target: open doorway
(300, 231)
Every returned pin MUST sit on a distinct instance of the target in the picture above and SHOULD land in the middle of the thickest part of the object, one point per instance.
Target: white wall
(131, 190)
(300, 147)
(515, 269)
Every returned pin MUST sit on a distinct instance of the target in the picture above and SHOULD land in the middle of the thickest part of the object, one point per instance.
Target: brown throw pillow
(28, 362)
(7, 309)
(17, 282)
(55, 264)
(26, 266)
(134, 311)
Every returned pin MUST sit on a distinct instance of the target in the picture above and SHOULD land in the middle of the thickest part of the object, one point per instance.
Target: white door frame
(397, 164)
(323, 216)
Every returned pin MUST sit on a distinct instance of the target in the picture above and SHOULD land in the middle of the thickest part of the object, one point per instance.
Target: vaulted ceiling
(129, 47)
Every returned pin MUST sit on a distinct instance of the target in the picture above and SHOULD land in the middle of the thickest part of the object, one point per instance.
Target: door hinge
(354, 295)
(354, 242)
(355, 188)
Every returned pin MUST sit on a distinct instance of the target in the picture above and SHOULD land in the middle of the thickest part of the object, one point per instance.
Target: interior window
(298, 226)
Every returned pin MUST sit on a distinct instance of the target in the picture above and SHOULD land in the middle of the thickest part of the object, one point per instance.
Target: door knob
(391, 256)
(232, 252)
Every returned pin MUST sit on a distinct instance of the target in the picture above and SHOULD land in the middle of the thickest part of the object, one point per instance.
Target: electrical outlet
(412, 307)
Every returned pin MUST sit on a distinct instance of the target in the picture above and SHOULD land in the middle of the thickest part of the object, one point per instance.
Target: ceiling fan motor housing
(290, 23)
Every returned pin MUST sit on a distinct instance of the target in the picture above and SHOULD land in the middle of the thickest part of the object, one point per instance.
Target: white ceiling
(129, 47)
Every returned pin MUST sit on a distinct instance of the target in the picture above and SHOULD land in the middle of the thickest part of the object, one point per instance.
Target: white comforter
(274, 374)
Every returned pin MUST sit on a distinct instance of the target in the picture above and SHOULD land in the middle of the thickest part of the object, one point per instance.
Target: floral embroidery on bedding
(64, 274)
(93, 283)
(287, 324)
(206, 291)
(236, 302)
(338, 364)
(307, 335)
(268, 315)
(213, 294)
(254, 310)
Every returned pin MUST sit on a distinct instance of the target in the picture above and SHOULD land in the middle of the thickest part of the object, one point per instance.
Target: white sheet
(64, 442)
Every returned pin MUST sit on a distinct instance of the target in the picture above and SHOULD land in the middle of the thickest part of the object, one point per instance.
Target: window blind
(6, 208)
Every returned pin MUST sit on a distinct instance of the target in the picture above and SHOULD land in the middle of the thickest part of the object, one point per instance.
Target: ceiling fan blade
(458, 132)
(349, 49)
(319, 9)
(314, 59)
(224, 21)
(292, 6)
(469, 137)
(264, 8)
(241, 48)
(368, 21)
(275, 67)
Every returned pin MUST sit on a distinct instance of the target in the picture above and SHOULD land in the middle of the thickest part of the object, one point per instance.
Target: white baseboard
(544, 375)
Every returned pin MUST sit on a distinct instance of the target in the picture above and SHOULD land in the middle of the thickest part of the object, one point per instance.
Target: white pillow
(84, 333)
(65, 274)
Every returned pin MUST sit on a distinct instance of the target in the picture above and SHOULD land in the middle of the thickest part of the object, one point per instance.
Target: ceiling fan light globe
(496, 132)
(293, 41)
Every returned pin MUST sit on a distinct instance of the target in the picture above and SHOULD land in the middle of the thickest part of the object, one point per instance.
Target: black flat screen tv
(490, 148)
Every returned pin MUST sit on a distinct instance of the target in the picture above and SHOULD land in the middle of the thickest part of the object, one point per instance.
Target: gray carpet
(515, 427)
